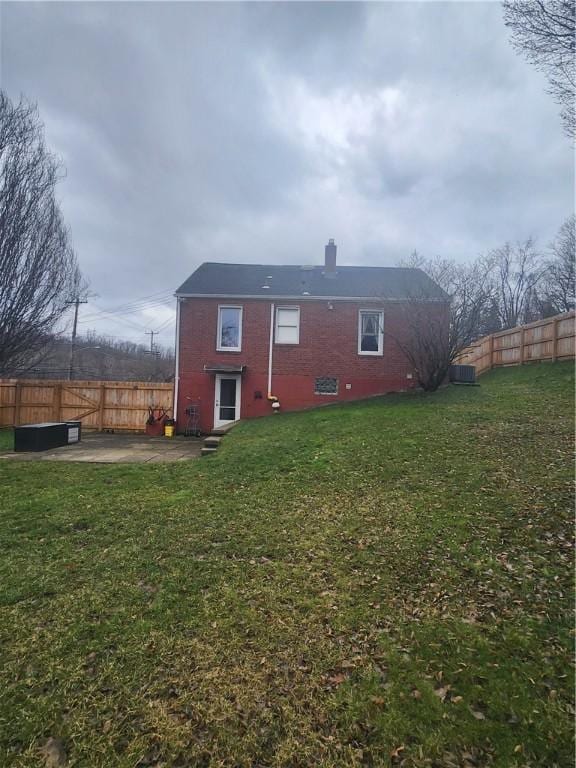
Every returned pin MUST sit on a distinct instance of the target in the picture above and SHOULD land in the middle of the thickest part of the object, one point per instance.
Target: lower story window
(326, 385)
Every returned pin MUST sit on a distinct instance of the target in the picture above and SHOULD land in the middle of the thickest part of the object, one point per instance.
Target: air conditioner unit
(462, 374)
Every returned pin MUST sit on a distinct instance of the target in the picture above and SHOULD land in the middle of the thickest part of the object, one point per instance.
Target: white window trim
(219, 347)
(288, 343)
(380, 351)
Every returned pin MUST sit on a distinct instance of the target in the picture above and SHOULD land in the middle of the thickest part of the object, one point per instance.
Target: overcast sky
(253, 132)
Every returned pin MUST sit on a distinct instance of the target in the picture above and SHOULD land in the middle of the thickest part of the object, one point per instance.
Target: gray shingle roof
(215, 279)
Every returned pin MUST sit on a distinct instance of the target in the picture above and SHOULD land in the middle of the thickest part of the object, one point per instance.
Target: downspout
(177, 362)
(270, 349)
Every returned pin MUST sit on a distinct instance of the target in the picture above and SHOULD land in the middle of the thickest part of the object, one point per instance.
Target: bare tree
(437, 328)
(559, 275)
(517, 273)
(490, 318)
(544, 31)
(38, 269)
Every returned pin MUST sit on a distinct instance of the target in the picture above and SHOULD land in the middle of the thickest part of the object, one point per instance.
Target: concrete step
(224, 430)
(207, 451)
(212, 441)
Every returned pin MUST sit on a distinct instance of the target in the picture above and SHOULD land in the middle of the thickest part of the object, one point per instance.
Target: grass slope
(386, 583)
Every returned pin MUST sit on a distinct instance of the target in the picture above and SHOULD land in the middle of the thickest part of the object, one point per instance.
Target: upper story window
(288, 325)
(370, 332)
(229, 329)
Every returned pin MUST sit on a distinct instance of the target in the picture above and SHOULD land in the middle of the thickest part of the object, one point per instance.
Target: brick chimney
(330, 257)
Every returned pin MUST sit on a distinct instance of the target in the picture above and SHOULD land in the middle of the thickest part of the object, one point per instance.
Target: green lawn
(6, 439)
(387, 583)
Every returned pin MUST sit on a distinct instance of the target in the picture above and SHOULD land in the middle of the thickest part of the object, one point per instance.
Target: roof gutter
(300, 297)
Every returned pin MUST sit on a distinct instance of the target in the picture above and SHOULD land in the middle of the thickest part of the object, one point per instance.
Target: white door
(226, 399)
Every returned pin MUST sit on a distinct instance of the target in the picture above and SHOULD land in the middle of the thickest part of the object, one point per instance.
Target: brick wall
(328, 347)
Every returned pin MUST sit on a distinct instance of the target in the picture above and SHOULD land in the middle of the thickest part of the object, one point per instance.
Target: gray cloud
(254, 131)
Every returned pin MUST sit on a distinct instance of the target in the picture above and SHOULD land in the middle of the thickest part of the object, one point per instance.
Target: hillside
(385, 583)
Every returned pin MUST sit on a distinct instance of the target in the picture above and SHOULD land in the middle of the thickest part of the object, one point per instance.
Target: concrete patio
(105, 448)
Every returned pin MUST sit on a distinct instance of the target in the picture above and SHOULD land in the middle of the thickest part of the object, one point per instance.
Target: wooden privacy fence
(549, 339)
(118, 405)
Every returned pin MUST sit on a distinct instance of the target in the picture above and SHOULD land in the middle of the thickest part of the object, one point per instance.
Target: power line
(133, 307)
(141, 300)
(153, 305)
(125, 321)
(117, 318)
(165, 324)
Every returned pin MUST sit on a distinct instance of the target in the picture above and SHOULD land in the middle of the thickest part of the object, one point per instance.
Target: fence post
(57, 402)
(101, 407)
(491, 350)
(554, 339)
(522, 345)
(17, 401)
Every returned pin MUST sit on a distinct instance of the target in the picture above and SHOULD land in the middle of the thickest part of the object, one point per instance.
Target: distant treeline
(98, 358)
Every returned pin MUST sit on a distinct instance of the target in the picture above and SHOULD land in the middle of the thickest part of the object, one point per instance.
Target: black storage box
(43, 437)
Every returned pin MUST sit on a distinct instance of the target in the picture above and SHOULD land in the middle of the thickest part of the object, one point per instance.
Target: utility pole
(154, 355)
(76, 302)
(151, 334)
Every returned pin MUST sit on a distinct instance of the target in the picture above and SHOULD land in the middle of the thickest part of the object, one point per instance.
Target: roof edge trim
(300, 297)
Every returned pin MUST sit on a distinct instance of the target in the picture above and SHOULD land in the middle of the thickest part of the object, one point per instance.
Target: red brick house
(250, 336)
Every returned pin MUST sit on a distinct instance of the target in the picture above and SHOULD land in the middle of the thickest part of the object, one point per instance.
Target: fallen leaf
(442, 692)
